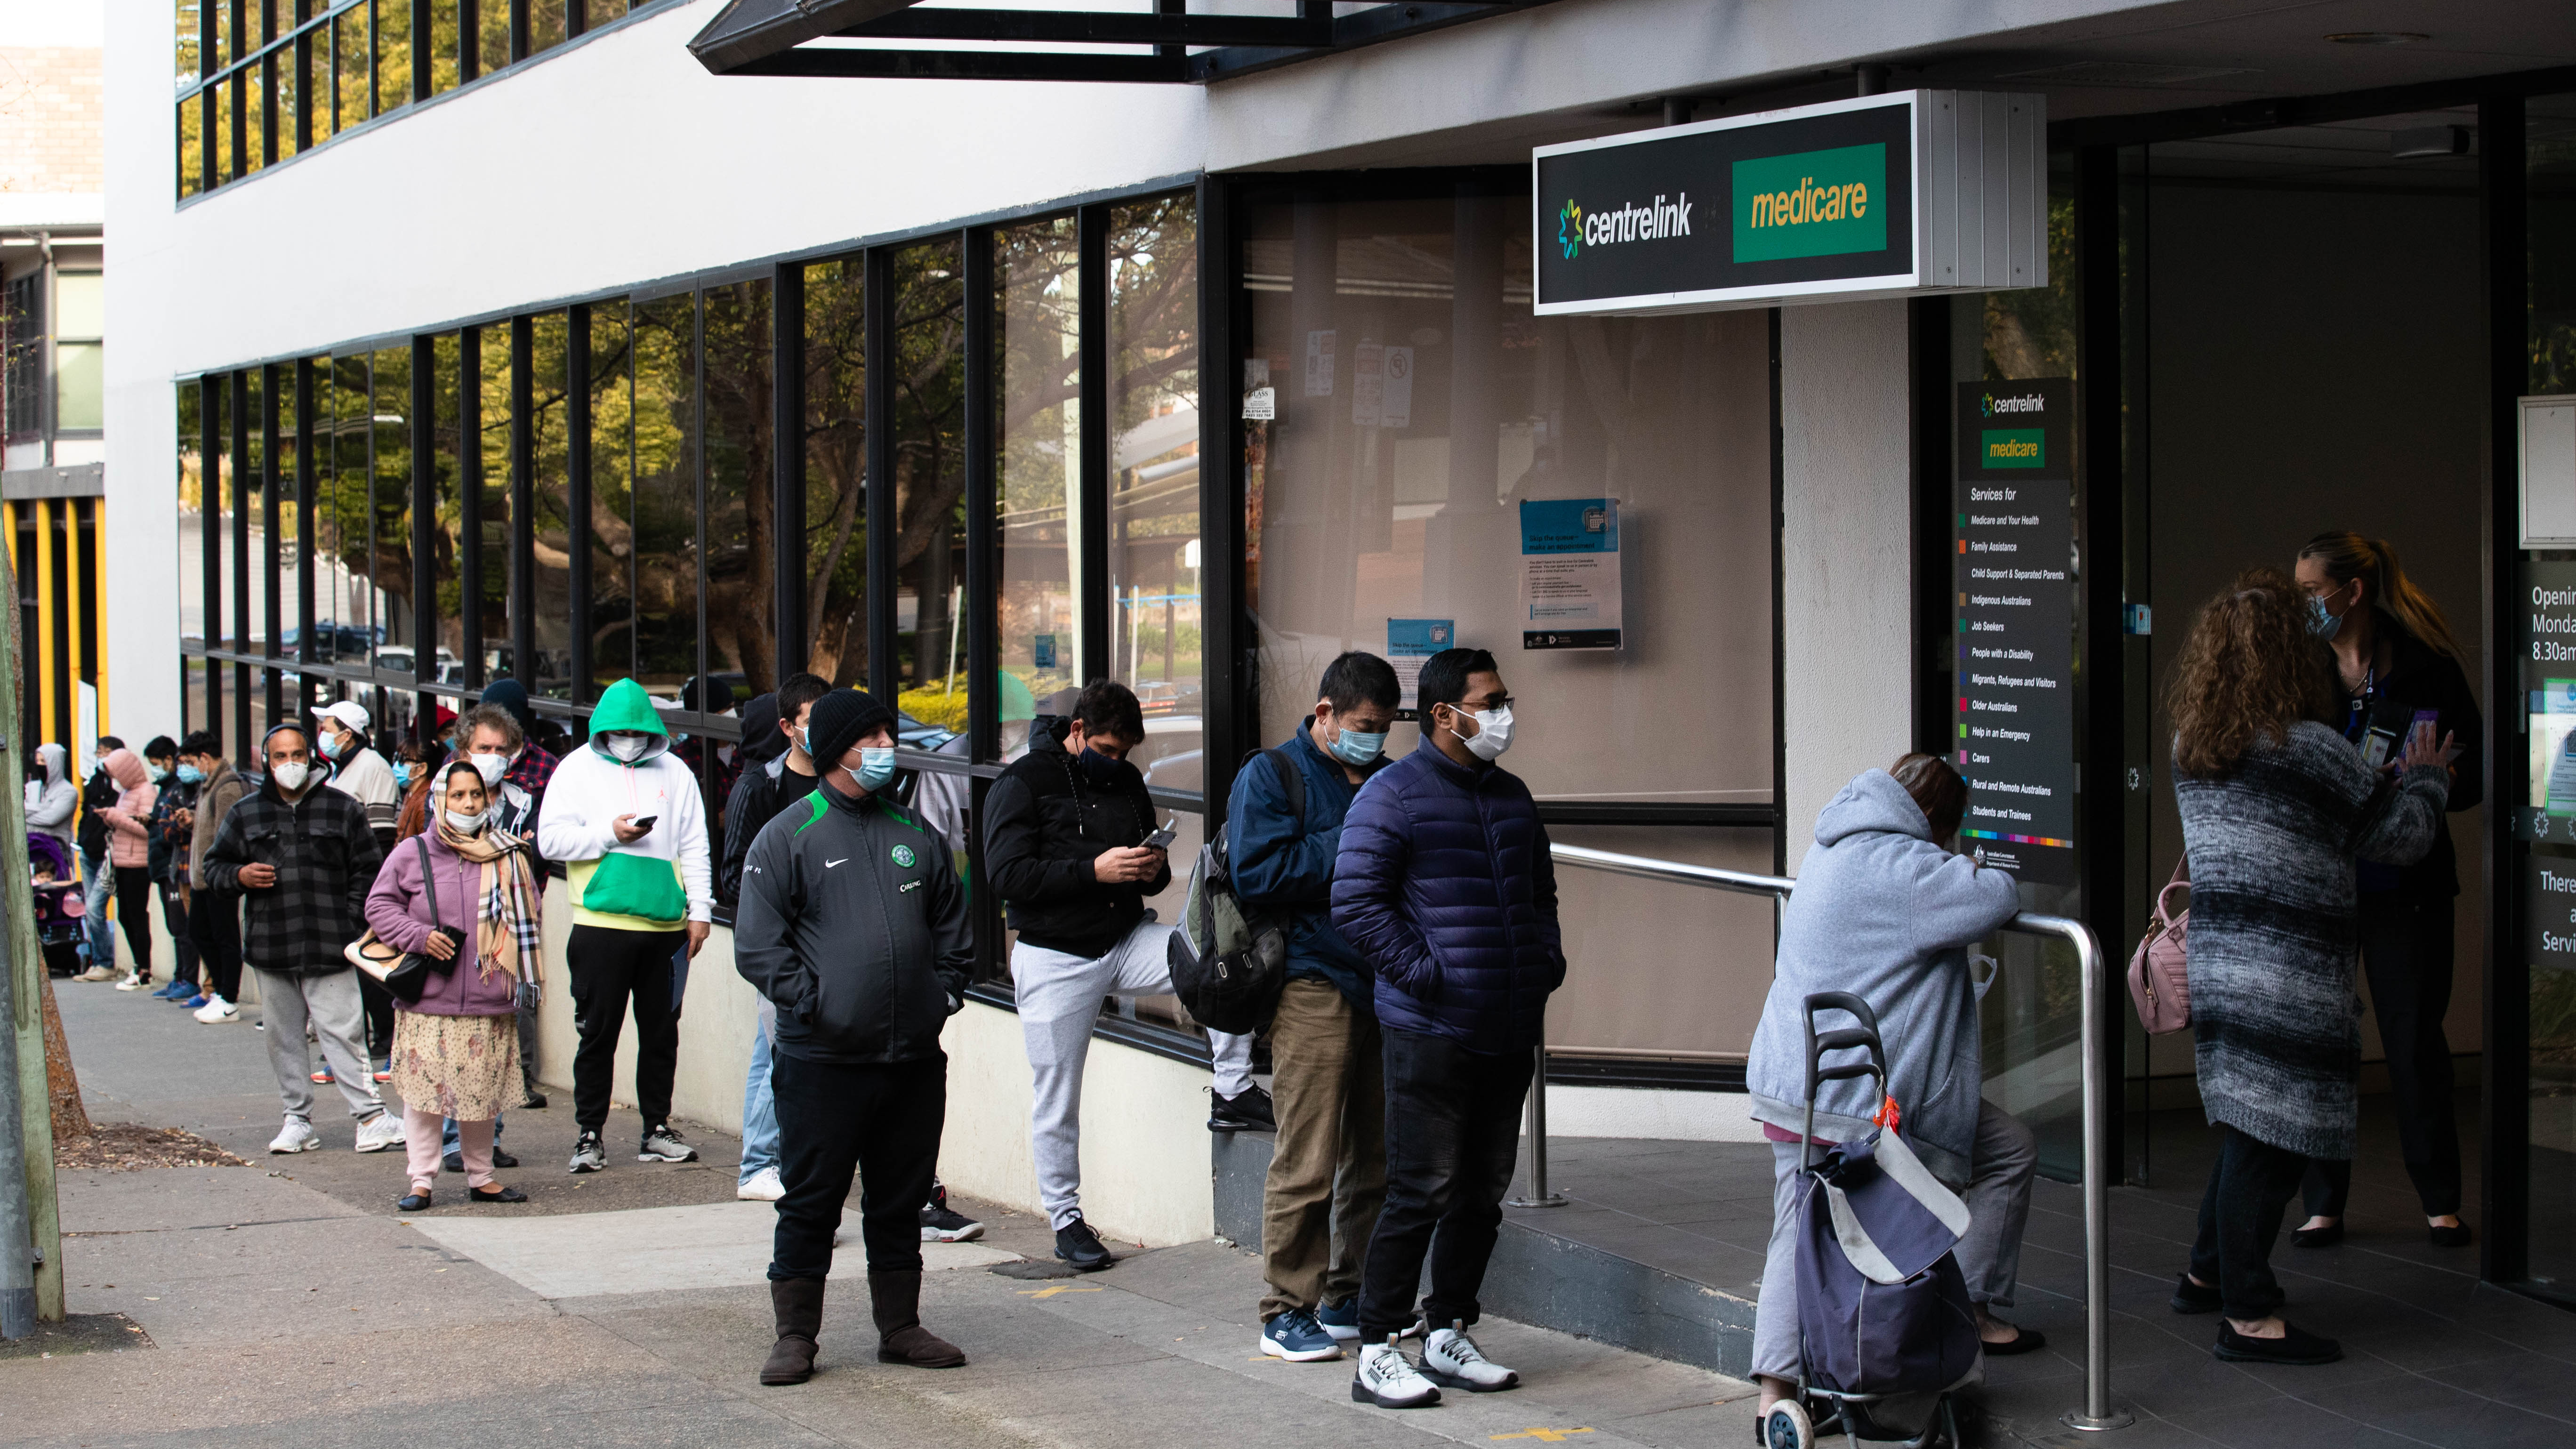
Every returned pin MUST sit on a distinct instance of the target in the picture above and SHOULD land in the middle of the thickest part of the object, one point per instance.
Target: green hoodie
(627, 707)
(656, 883)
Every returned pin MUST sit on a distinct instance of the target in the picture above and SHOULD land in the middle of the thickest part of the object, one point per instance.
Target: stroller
(1886, 1331)
(59, 907)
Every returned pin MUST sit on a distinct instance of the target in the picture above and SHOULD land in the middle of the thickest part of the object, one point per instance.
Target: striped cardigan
(2275, 1020)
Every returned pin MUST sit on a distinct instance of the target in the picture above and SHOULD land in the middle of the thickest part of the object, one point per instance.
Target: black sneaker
(1248, 1112)
(501, 1158)
(589, 1154)
(531, 1099)
(2190, 1297)
(941, 1223)
(2296, 1347)
(661, 1144)
(1077, 1244)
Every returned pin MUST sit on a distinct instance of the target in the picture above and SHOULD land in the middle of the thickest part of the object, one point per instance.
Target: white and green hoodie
(660, 882)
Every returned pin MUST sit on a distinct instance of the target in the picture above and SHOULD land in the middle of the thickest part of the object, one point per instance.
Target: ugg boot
(896, 1298)
(798, 1303)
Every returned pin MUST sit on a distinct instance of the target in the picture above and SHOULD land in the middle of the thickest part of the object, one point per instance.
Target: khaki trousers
(1328, 1169)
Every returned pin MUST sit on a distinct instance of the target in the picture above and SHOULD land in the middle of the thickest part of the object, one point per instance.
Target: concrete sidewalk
(288, 1311)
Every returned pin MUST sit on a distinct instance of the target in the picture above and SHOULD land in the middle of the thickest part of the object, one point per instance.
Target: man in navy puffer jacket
(1445, 886)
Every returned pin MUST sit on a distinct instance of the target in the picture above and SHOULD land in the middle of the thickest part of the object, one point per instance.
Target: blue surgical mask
(402, 775)
(157, 773)
(1354, 748)
(191, 775)
(876, 766)
(2322, 621)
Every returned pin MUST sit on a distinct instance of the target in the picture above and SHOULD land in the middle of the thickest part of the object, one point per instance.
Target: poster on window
(1570, 574)
(1408, 643)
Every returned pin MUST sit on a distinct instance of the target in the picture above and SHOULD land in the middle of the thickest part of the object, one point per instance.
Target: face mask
(490, 768)
(191, 775)
(157, 773)
(2321, 621)
(876, 766)
(290, 777)
(402, 774)
(330, 747)
(464, 824)
(1355, 748)
(627, 747)
(1097, 765)
(1493, 733)
(805, 740)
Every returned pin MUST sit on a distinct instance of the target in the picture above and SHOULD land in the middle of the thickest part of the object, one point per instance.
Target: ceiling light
(2377, 37)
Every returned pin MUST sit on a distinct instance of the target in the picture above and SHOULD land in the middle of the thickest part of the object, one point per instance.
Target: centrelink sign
(1881, 196)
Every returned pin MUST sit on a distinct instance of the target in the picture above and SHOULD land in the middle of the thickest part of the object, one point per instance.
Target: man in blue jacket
(1282, 834)
(1445, 887)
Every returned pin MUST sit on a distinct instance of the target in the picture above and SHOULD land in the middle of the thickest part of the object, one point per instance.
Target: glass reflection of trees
(1154, 471)
(836, 469)
(928, 327)
(1037, 274)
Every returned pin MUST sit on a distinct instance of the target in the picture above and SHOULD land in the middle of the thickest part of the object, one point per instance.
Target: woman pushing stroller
(1886, 911)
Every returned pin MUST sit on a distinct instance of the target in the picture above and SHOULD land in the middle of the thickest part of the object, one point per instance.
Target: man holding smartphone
(1064, 842)
(626, 821)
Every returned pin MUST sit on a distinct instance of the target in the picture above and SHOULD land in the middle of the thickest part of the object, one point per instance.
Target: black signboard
(2014, 615)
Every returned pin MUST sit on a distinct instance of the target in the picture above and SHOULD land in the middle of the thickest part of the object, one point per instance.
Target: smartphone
(645, 822)
(1162, 839)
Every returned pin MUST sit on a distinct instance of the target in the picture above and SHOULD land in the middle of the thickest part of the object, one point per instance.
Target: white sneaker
(380, 1132)
(1451, 1359)
(761, 1186)
(297, 1136)
(133, 982)
(1387, 1379)
(97, 973)
(216, 1012)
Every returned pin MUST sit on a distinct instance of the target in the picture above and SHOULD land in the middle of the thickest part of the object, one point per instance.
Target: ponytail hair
(2347, 556)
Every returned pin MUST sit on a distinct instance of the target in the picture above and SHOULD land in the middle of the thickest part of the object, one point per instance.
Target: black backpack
(1230, 961)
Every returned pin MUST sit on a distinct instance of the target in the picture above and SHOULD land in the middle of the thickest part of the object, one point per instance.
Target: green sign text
(1811, 204)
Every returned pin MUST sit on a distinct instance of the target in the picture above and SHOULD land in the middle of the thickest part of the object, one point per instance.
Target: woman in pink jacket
(129, 851)
(456, 1049)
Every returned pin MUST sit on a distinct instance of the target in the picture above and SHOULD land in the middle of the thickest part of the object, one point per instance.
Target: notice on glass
(1408, 643)
(1319, 362)
(2014, 616)
(2549, 685)
(1368, 384)
(1570, 574)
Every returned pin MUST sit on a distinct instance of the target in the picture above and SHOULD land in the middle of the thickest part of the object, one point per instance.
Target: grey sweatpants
(1998, 1197)
(330, 1001)
(1059, 997)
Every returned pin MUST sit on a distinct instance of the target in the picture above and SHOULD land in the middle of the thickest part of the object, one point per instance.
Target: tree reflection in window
(836, 466)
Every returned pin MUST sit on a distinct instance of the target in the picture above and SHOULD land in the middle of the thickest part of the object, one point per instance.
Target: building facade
(485, 341)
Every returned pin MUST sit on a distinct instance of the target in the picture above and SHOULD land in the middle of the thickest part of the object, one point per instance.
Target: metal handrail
(2097, 1413)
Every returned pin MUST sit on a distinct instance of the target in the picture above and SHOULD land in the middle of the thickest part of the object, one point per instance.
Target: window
(742, 540)
(80, 320)
(836, 469)
(1154, 479)
(666, 548)
(929, 356)
(24, 368)
(611, 530)
(1037, 276)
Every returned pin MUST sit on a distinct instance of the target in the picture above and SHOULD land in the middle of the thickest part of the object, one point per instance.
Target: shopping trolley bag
(1882, 1307)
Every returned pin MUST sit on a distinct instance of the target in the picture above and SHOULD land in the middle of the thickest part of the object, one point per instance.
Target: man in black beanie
(853, 923)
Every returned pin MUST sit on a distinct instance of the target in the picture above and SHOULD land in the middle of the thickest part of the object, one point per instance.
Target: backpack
(1230, 961)
(2159, 970)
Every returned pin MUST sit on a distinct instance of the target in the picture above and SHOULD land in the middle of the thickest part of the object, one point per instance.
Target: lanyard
(2359, 713)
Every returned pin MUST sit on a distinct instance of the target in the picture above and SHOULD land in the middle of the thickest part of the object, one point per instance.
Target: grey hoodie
(50, 806)
(1885, 913)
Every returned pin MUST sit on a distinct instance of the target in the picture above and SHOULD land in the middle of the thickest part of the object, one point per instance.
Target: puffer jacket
(1283, 862)
(1446, 888)
(129, 820)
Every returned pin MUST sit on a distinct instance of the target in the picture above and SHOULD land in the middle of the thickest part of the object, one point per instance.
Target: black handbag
(403, 974)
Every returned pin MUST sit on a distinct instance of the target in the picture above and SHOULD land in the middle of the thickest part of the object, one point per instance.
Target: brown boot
(798, 1303)
(896, 1298)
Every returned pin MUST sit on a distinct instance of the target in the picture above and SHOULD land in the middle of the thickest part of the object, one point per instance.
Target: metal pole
(1539, 1196)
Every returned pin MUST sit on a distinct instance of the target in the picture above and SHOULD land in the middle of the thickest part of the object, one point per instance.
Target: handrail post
(2098, 1414)
(1539, 1196)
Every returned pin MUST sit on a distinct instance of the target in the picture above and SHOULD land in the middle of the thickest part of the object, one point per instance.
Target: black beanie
(511, 695)
(839, 720)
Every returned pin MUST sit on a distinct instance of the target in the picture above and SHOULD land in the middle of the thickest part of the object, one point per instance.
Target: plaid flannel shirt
(326, 859)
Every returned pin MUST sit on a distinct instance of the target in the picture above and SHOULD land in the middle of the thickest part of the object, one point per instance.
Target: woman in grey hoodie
(1885, 910)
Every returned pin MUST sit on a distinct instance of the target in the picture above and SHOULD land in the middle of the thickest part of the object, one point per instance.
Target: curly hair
(2249, 671)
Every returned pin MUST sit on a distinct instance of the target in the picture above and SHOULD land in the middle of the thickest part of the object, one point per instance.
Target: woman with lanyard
(2399, 664)
(456, 1049)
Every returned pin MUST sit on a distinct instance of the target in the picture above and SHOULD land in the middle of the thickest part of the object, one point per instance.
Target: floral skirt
(465, 1067)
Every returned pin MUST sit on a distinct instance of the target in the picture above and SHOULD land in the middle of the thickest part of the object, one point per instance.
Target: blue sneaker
(176, 989)
(196, 1001)
(1297, 1337)
(1341, 1320)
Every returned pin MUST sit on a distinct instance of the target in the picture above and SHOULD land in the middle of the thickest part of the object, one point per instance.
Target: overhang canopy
(793, 38)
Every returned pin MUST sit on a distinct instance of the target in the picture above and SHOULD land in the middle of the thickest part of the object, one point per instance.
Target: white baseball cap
(348, 712)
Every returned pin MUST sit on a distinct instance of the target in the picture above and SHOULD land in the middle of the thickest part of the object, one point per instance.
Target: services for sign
(1408, 643)
(1570, 574)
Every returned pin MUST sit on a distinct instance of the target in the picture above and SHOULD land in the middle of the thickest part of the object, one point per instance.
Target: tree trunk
(71, 1119)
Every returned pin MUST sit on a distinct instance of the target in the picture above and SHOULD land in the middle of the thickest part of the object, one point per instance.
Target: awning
(1167, 44)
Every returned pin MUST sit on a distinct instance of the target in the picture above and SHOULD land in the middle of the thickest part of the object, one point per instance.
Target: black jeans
(1453, 1128)
(214, 923)
(2250, 1186)
(881, 1121)
(609, 969)
(174, 916)
(2406, 951)
(134, 913)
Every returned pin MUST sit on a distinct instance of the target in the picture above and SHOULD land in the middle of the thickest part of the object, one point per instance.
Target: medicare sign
(1893, 195)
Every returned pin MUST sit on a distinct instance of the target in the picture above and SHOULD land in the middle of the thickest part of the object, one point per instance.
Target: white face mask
(290, 777)
(490, 768)
(465, 824)
(627, 747)
(1493, 733)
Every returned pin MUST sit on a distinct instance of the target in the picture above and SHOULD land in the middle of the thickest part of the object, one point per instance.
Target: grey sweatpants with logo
(330, 1001)
(1059, 997)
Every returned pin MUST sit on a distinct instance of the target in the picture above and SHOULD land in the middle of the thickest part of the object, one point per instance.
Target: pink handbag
(2159, 971)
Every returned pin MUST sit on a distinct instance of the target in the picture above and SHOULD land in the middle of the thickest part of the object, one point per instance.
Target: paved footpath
(286, 1304)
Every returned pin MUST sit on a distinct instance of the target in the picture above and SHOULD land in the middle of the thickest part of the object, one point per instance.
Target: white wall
(1847, 572)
